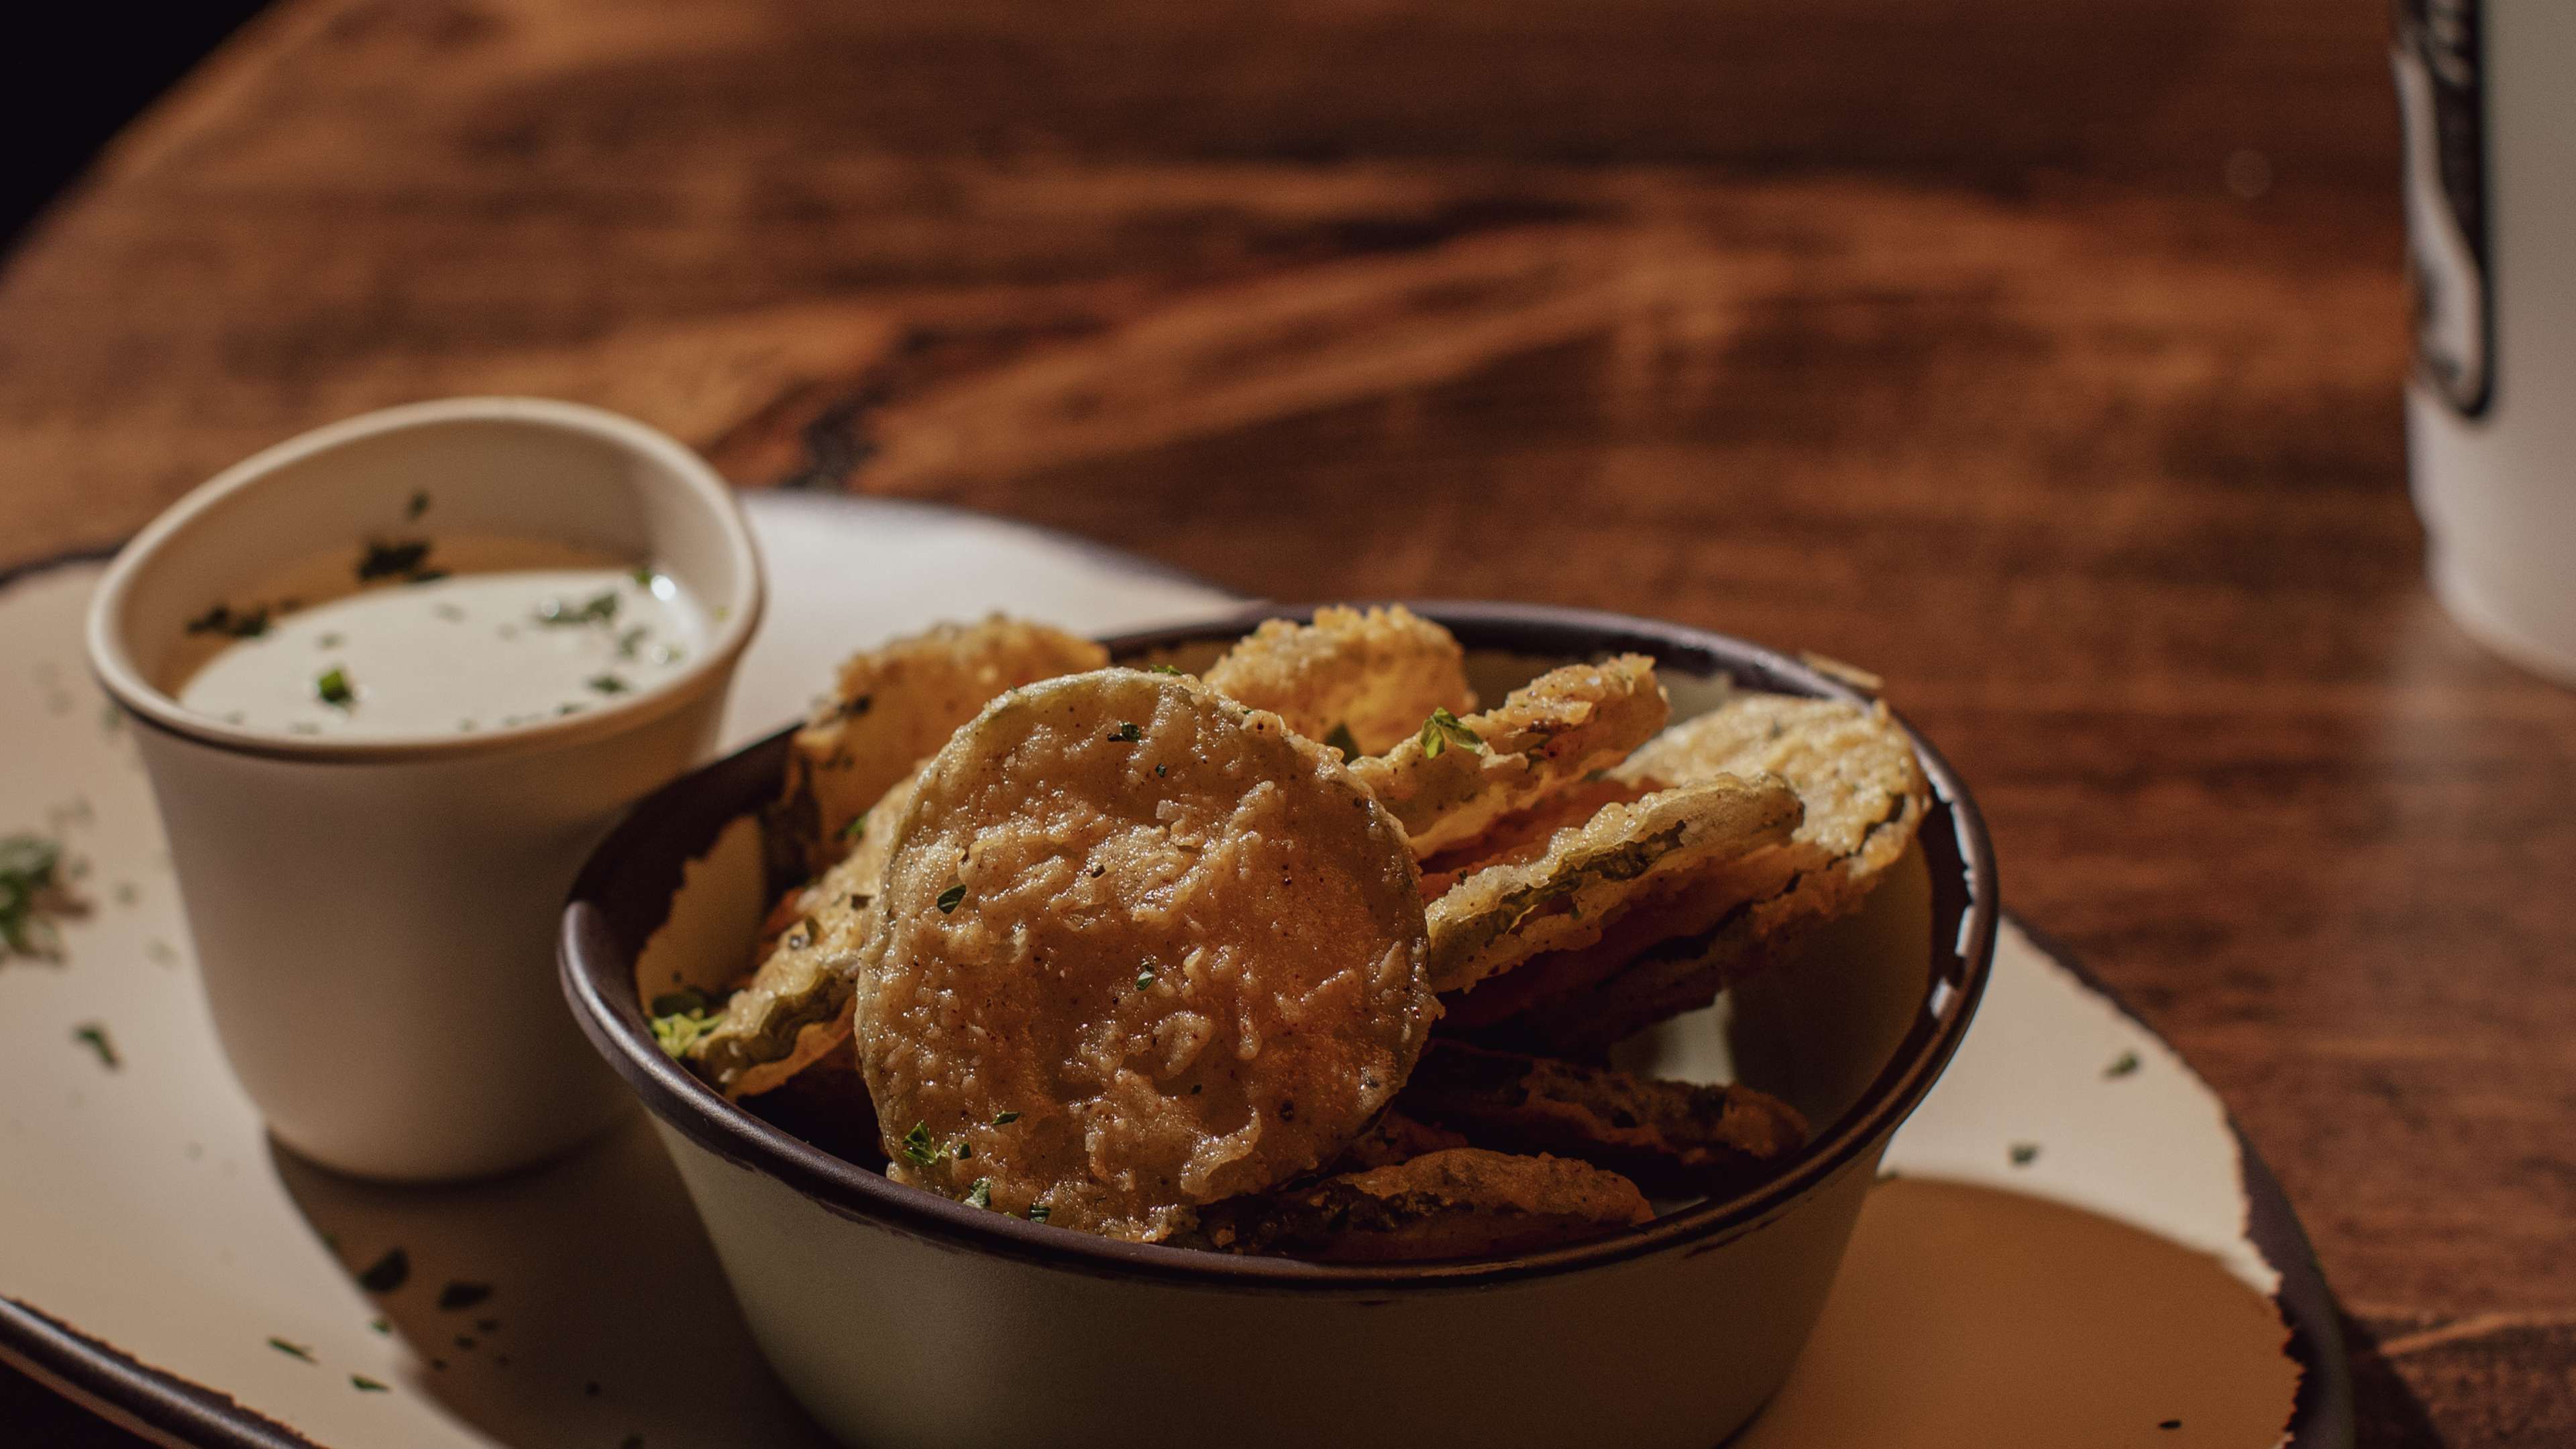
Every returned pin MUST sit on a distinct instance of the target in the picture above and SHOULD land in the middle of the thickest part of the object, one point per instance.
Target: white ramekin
(373, 918)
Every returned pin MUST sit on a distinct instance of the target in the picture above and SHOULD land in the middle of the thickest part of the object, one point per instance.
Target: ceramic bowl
(898, 1317)
(355, 902)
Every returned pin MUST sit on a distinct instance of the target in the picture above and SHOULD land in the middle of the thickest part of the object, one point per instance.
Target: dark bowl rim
(597, 974)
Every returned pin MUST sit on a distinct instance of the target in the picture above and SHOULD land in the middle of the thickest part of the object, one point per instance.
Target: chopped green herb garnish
(2024, 1153)
(856, 828)
(93, 1035)
(332, 688)
(642, 575)
(1144, 978)
(608, 684)
(681, 1019)
(388, 1273)
(1005, 1119)
(2126, 1063)
(30, 897)
(291, 1350)
(632, 640)
(1339, 737)
(1164, 668)
(1442, 730)
(460, 1294)
(949, 899)
(366, 1385)
(1127, 732)
(419, 505)
(917, 1145)
(981, 1194)
(380, 1326)
(962, 1150)
(426, 576)
(384, 560)
(220, 619)
(329, 641)
(1039, 1212)
(597, 609)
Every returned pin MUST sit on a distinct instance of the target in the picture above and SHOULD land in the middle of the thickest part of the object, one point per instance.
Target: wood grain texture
(2045, 359)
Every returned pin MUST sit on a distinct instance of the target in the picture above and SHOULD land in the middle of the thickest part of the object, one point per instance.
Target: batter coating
(798, 1007)
(1464, 1202)
(895, 704)
(1504, 914)
(1144, 949)
(1456, 778)
(1376, 675)
(1864, 796)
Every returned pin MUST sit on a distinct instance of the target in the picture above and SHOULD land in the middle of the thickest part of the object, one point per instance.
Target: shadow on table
(1973, 1317)
(578, 1303)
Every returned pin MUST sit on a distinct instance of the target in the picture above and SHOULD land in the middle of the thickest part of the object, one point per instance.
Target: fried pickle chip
(1372, 677)
(1504, 914)
(895, 704)
(1864, 795)
(1144, 949)
(1395, 1138)
(1455, 778)
(1672, 1137)
(798, 1008)
(1465, 1202)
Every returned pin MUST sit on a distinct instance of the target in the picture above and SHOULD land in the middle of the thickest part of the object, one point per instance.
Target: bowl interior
(1851, 1030)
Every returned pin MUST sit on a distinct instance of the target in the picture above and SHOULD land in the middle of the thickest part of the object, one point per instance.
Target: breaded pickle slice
(798, 1007)
(1464, 1202)
(1373, 677)
(1395, 1138)
(1864, 795)
(895, 704)
(1505, 914)
(1453, 779)
(1670, 1137)
(1145, 948)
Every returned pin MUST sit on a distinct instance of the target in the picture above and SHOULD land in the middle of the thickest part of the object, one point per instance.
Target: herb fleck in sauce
(556, 629)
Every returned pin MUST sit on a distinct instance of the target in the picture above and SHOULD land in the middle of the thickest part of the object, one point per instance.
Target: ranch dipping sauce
(434, 635)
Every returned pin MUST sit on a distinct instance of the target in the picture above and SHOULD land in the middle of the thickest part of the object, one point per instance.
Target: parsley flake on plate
(332, 687)
(917, 1145)
(950, 898)
(291, 1350)
(30, 887)
(93, 1034)
(1127, 733)
(981, 1194)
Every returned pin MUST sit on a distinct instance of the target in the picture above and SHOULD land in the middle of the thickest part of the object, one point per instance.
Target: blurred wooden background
(2044, 358)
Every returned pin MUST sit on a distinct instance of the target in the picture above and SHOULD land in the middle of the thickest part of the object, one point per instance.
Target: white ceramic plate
(2076, 1247)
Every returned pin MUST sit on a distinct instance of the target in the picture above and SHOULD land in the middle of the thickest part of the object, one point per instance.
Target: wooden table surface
(2044, 358)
